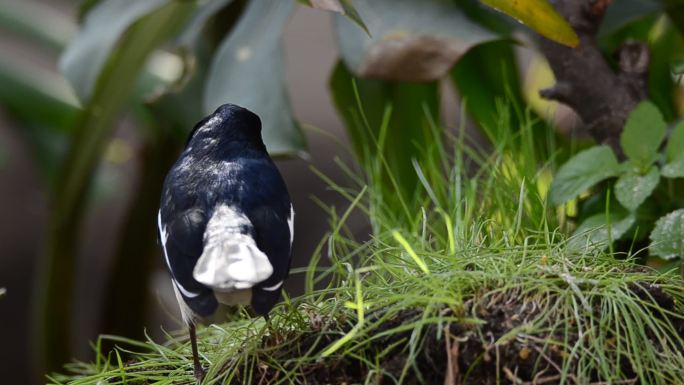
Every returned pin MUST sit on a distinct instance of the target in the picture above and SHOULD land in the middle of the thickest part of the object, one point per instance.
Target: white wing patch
(290, 224)
(231, 260)
(274, 287)
(164, 237)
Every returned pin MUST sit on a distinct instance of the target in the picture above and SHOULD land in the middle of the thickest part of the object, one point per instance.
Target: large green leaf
(667, 238)
(486, 76)
(540, 16)
(180, 107)
(643, 133)
(632, 189)
(192, 33)
(408, 131)
(248, 70)
(599, 230)
(28, 19)
(583, 171)
(622, 12)
(36, 95)
(86, 55)
(411, 41)
(343, 7)
(95, 125)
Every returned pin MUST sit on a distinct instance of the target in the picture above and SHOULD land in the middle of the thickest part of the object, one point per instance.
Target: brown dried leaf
(421, 58)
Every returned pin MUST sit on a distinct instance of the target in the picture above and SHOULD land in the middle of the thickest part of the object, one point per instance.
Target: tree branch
(585, 81)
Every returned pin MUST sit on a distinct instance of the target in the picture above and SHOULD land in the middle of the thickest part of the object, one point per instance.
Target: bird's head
(229, 123)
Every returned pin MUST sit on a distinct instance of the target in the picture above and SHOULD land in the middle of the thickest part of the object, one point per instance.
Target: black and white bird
(225, 220)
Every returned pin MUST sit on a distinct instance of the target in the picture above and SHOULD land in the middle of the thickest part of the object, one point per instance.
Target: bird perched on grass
(225, 220)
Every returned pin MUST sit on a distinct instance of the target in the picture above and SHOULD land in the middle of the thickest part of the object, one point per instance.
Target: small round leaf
(667, 238)
(632, 189)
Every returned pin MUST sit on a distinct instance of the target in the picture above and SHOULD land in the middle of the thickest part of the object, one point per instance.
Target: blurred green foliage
(170, 62)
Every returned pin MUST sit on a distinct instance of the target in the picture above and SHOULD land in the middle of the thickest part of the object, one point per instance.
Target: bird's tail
(231, 259)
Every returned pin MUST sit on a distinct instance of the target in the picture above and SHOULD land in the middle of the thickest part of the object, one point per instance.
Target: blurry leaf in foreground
(28, 20)
(190, 37)
(34, 94)
(179, 107)
(487, 75)
(538, 76)
(3, 291)
(622, 12)
(411, 41)
(114, 86)
(540, 16)
(667, 238)
(406, 135)
(83, 60)
(593, 232)
(248, 70)
(581, 172)
(344, 7)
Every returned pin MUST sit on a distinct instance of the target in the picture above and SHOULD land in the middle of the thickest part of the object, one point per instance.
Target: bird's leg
(199, 371)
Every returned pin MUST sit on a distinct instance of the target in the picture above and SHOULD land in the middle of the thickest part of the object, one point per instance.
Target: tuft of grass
(470, 281)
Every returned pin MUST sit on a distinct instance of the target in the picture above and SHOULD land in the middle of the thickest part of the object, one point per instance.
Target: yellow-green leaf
(540, 16)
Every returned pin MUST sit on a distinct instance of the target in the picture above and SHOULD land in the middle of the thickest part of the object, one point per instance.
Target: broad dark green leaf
(411, 41)
(643, 133)
(114, 86)
(86, 55)
(408, 131)
(632, 189)
(599, 230)
(28, 19)
(189, 37)
(248, 70)
(675, 153)
(540, 16)
(343, 7)
(581, 172)
(623, 12)
(667, 238)
(675, 10)
(180, 107)
(28, 88)
(486, 76)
